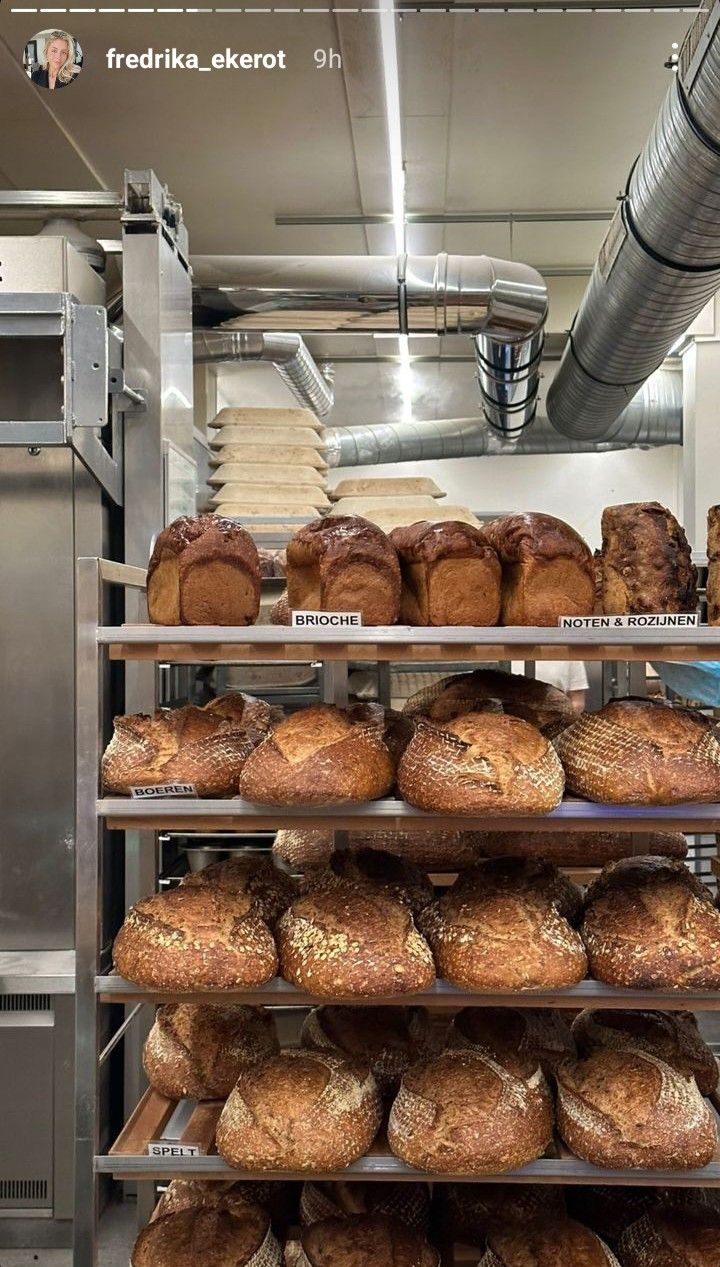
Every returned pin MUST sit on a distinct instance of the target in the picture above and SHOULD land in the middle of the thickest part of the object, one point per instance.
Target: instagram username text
(176, 59)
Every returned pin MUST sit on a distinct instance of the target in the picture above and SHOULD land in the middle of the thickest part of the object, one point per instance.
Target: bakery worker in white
(569, 675)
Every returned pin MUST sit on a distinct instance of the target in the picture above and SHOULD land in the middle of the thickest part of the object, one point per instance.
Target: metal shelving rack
(156, 1119)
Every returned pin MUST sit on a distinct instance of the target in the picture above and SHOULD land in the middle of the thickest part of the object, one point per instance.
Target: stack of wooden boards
(395, 501)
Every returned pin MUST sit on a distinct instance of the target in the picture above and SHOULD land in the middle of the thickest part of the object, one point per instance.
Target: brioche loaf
(579, 848)
(625, 1108)
(713, 573)
(548, 569)
(543, 1241)
(533, 701)
(344, 564)
(213, 1237)
(270, 890)
(450, 575)
(195, 938)
(364, 1240)
(539, 1035)
(672, 1238)
(320, 756)
(196, 1051)
(203, 571)
(671, 1036)
(466, 1211)
(264, 416)
(301, 1110)
(388, 1039)
(379, 872)
(407, 1203)
(463, 1112)
(349, 941)
(646, 561)
(481, 763)
(429, 850)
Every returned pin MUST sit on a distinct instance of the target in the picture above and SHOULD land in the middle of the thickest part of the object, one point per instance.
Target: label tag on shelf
(326, 620)
(162, 789)
(161, 1148)
(660, 620)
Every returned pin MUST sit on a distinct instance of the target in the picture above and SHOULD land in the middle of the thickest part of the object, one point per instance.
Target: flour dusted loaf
(650, 924)
(195, 938)
(548, 569)
(543, 1241)
(642, 752)
(540, 1035)
(672, 1036)
(203, 571)
(301, 1110)
(467, 1211)
(713, 575)
(206, 747)
(544, 706)
(628, 1109)
(349, 941)
(305, 850)
(320, 756)
(672, 1238)
(364, 1240)
(465, 1113)
(344, 563)
(252, 875)
(377, 871)
(389, 1039)
(450, 575)
(407, 1203)
(646, 561)
(481, 763)
(579, 848)
(215, 1238)
(197, 1050)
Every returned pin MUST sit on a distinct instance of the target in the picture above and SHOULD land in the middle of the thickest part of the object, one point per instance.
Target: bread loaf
(463, 1113)
(344, 564)
(301, 1110)
(364, 1240)
(264, 417)
(379, 872)
(195, 938)
(407, 1203)
(304, 850)
(646, 561)
(543, 1241)
(388, 1039)
(541, 1036)
(450, 575)
(548, 569)
(579, 848)
(713, 573)
(650, 924)
(610, 1209)
(215, 1238)
(203, 571)
(517, 876)
(348, 941)
(481, 763)
(197, 1051)
(274, 1196)
(320, 756)
(467, 1211)
(671, 1036)
(206, 747)
(253, 875)
(642, 752)
(625, 1109)
(544, 706)
(672, 1238)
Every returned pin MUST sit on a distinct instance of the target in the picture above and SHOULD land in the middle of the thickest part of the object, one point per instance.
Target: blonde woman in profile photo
(56, 59)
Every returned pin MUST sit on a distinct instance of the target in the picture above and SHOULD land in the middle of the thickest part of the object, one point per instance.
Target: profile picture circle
(53, 59)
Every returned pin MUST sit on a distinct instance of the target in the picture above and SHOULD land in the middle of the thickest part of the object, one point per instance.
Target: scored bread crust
(389, 1039)
(344, 563)
(625, 1109)
(539, 703)
(713, 575)
(203, 570)
(196, 1051)
(301, 1110)
(320, 756)
(349, 941)
(579, 848)
(546, 1242)
(307, 850)
(271, 891)
(213, 1237)
(463, 1113)
(548, 570)
(407, 1203)
(666, 1238)
(450, 575)
(190, 938)
(364, 1240)
(642, 752)
(671, 1036)
(646, 561)
(481, 763)
(379, 872)
(539, 1036)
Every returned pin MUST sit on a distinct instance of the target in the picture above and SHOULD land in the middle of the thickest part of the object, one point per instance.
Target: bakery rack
(155, 1119)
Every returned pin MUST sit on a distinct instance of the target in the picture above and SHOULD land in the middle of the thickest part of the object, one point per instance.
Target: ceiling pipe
(287, 352)
(660, 261)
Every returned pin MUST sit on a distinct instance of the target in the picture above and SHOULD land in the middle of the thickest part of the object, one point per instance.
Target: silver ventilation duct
(500, 304)
(287, 352)
(653, 418)
(660, 261)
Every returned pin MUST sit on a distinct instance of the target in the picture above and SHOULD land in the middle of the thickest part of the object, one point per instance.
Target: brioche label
(326, 620)
(660, 620)
(162, 789)
(163, 1148)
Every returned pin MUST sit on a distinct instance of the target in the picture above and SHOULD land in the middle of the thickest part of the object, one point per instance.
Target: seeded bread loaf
(377, 871)
(671, 1036)
(540, 1035)
(544, 706)
(450, 575)
(579, 848)
(197, 1050)
(271, 891)
(672, 1238)
(364, 1240)
(407, 1203)
(389, 1039)
(544, 1241)
(713, 574)
(548, 569)
(305, 850)
(344, 563)
(215, 1238)
(646, 561)
(203, 571)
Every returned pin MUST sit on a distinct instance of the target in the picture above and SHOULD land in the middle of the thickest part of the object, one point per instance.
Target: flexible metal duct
(287, 352)
(653, 418)
(660, 261)
(500, 304)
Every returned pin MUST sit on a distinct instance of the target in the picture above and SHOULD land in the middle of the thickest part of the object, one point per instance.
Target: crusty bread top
(502, 735)
(308, 731)
(518, 538)
(673, 1036)
(215, 1238)
(349, 909)
(188, 1194)
(645, 871)
(518, 877)
(366, 1033)
(547, 1242)
(206, 536)
(339, 538)
(293, 1086)
(425, 542)
(672, 728)
(458, 1081)
(713, 539)
(527, 698)
(254, 875)
(381, 872)
(190, 911)
(649, 550)
(366, 1240)
(633, 1090)
(502, 1033)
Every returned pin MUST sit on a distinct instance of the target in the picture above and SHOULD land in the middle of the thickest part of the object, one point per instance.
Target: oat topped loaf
(646, 561)
(344, 563)
(213, 1237)
(203, 571)
(389, 1039)
(404, 1202)
(548, 569)
(379, 872)
(537, 702)
(450, 575)
(545, 1241)
(365, 1240)
(672, 1036)
(539, 1035)
(270, 890)
(672, 1238)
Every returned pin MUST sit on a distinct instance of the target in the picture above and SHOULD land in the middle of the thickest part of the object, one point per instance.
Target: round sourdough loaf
(407, 1203)
(466, 1211)
(539, 1035)
(672, 1238)
(278, 1199)
(649, 923)
(364, 1240)
(215, 1238)
(195, 938)
(348, 941)
(642, 752)
(320, 756)
(198, 1050)
(463, 1113)
(524, 875)
(484, 763)
(543, 1242)
(203, 571)
(672, 1036)
(301, 1110)
(248, 875)
(389, 1039)
(579, 848)
(429, 850)
(625, 1109)
(379, 872)
(544, 706)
